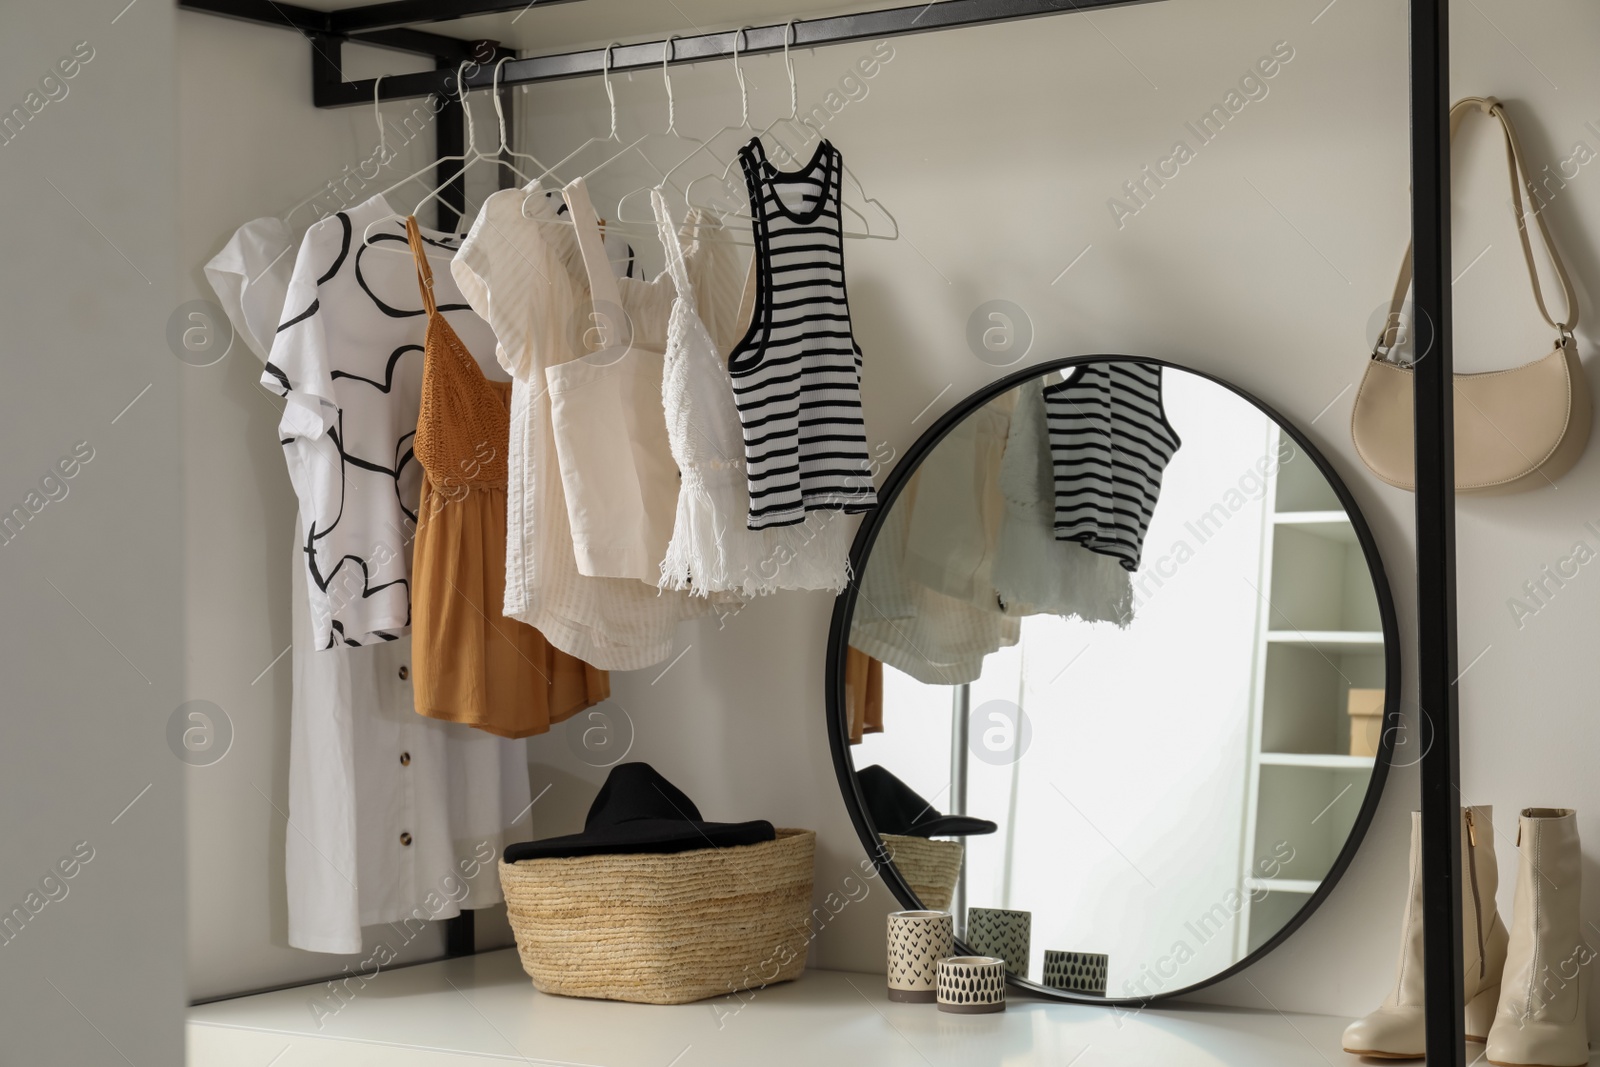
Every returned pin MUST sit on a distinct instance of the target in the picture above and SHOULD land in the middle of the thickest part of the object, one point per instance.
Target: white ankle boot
(1396, 1030)
(1541, 1018)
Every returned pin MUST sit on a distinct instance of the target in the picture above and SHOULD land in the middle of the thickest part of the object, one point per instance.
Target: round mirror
(1111, 681)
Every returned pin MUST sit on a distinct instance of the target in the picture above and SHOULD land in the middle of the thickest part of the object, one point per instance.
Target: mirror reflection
(1117, 662)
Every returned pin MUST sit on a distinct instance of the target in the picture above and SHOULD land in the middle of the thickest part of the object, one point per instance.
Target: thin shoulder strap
(424, 270)
(603, 290)
(672, 247)
(1520, 177)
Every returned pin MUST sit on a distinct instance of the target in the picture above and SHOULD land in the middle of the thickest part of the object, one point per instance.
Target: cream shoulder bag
(1515, 429)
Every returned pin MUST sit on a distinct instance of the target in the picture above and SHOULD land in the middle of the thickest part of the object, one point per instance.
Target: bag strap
(1520, 179)
(424, 270)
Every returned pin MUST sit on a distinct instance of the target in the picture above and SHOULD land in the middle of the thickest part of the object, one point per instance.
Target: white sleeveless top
(712, 549)
(605, 407)
(533, 266)
(1035, 574)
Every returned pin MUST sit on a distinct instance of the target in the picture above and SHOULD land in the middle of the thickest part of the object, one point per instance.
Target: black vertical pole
(1433, 411)
(450, 139)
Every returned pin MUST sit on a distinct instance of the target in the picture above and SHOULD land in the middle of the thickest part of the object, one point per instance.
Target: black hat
(637, 810)
(897, 809)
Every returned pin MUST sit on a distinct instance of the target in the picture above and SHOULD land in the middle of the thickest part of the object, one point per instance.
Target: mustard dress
(472, 664)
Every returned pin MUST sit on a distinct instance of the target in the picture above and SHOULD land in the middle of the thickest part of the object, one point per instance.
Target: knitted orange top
(472, 664)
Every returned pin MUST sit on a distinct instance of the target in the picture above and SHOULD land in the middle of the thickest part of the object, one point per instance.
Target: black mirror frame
(844, 608)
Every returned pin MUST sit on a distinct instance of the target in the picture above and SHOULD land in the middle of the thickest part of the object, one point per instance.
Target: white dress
(712, 549)
(364, 767)
(1034, 573)
(525, 274)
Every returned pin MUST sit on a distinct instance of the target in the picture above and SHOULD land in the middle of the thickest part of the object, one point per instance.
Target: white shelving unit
(1318, 635)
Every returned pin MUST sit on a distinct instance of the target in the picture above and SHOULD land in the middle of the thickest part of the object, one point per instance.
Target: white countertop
(483, 1010)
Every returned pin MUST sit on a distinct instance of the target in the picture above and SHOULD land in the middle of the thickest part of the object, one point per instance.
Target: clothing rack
(393, 25)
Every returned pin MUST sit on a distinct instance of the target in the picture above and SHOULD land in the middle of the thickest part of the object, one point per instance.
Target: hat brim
(951, 826)
(644, 836)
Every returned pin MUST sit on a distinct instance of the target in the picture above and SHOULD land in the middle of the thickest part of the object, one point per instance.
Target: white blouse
(525, 274)
(348, 358)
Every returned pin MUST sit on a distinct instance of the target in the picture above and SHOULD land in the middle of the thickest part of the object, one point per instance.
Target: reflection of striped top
(797, 372)
(1109, 442)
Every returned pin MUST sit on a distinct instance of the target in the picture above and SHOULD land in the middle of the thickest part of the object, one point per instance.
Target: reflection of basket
(929, 867)
(664, 929)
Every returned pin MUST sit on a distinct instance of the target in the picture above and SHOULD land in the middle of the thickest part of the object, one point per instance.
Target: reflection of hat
(897, 809)
(637, 810)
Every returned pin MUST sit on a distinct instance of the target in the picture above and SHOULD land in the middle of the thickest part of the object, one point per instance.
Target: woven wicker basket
(664, 929)
(929, 867)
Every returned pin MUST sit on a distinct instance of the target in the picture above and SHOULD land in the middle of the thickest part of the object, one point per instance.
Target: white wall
(997, 149)
(91, 844)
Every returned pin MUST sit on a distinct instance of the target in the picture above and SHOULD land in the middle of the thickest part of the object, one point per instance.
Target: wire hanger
(704, 148)
(474, 154)
(632, 148)
(382, 153)
(739, 208)
(505, 148)
(471, 148)
(670, 132)
(611, 100)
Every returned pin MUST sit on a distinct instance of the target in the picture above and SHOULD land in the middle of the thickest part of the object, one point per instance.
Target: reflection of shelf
(1326, 637)
(1284, 885)
(1330, 525)
(1289, 517)
(1327, 760)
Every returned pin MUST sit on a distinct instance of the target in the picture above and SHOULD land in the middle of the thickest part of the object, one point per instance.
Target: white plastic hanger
(704, 148)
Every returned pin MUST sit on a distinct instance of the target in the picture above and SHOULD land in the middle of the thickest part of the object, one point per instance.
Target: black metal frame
(844, 607)
(1434, 443)
(389, 25)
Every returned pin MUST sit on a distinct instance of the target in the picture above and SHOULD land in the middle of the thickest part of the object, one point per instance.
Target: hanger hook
(788, 64)
(377, 115)
(611, 95)
(666, 57)
(738, 72)
(499, 112)
(466, 112)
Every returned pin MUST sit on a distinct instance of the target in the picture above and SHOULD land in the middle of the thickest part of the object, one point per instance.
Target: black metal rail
(331, 90)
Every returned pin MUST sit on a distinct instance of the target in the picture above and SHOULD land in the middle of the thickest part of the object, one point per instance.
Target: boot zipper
(1472, 877)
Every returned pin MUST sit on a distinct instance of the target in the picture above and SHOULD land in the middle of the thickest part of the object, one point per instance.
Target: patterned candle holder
(972, 985)
(1003, 933)
(918, 940)
(1076, 972)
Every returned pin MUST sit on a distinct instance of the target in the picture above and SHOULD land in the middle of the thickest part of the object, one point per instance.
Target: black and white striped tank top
(797, 372)
(1109, 443)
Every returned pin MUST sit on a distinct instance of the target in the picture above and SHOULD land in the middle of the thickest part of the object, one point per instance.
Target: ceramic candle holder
(1076, 972)
(1003, 933)
(918, 940)
(972, 985)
